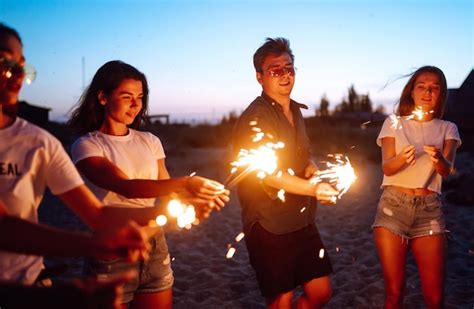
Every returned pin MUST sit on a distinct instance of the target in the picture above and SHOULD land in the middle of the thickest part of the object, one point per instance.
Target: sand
(205, 278)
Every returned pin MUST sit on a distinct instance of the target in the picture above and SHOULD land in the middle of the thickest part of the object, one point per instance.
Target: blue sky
(197, 55)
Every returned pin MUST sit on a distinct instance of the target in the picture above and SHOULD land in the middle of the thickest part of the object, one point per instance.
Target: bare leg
(429, 253)
(317, 293)
(392, 252)
(162, 300)
(281, 301)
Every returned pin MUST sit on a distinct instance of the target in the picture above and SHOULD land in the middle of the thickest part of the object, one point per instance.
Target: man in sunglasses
(283, 243)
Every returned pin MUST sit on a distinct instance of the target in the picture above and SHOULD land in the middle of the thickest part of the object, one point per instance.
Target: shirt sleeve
(386, 131)
(61, 174)
(85, 148)
(453, 133)
(156, 146)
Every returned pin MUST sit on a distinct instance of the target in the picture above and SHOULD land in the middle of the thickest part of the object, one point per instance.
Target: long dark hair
(406, 103)
(88, 114)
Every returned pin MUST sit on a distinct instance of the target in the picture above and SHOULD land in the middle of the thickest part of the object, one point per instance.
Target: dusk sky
(197, 55)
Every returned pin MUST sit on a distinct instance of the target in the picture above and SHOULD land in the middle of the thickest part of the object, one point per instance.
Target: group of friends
(117, 181)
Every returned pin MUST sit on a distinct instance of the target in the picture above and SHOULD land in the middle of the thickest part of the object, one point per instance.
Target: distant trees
(353, 103)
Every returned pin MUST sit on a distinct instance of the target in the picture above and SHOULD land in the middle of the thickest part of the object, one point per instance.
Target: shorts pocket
(433, 205)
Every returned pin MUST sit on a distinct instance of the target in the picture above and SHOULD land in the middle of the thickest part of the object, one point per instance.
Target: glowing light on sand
(239, 237)
(321, 253)
(281, 195)
(340, 174)
(230, 252)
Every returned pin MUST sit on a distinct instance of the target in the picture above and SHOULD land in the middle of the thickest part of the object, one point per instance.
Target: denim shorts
(154, 275)
(410, 216)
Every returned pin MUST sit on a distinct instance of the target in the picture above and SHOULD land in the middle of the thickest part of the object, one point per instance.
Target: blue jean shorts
(410, 216)
(154, 275)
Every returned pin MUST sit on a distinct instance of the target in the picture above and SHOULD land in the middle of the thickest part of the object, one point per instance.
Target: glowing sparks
(192, 174)
(337, 249)
(281, 195)
(239, 237)
(262, 159)
(418, 113)
(340, 174)
(253, 123)
(431, 232)
(279, 174)
(185, 214)
(230, 252)
(291, 172)
(161, 220)
(303, 209)
(321, 253)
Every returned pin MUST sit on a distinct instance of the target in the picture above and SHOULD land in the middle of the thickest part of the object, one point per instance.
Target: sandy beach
(205, 278)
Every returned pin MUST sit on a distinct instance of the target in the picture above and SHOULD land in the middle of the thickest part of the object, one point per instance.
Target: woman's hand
(204, 188)
(128, 241)
(434, 153)
(408, 154)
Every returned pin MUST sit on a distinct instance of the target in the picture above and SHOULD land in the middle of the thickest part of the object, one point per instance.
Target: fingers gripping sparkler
(340, 174)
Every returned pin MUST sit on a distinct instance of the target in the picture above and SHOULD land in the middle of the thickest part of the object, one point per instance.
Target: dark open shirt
(259, 202)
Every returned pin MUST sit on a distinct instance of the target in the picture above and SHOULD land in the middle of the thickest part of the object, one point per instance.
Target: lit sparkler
(262, 159)
(340, 174)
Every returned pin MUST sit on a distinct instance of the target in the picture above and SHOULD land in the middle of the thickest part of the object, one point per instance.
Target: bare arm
(295, 185)
(393, 163)
(107, 175)
(31, 238)
(443, 161)
(84, 203)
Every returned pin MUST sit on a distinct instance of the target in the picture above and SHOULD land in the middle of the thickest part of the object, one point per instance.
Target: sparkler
(262, 159)
(340, 174)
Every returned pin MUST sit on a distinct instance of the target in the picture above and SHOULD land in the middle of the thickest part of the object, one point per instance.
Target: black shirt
(259, 202)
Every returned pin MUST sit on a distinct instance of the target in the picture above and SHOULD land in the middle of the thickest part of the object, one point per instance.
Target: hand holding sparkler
(408, 154)
(339, 174)
(205, 191)
(434, 153)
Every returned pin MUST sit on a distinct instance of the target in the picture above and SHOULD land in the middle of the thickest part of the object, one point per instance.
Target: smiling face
(123, 104)
(278, 86)
(426, 91)
(11, 70)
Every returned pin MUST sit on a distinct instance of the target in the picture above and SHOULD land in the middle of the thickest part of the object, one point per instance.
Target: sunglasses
(11, 68)
(278, 72)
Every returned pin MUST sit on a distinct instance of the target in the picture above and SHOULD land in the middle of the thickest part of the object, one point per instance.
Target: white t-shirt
(31, 159)
(418, 134)
(136, 154)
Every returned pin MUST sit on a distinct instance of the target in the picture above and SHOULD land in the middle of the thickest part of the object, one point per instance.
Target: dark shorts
(154, 275)
(284, 261)
(410, 216)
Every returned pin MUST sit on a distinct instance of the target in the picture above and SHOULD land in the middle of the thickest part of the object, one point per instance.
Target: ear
(102, 98)
(259, 78)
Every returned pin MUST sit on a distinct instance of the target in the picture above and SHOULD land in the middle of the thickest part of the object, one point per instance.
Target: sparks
(239, 237)
(262, 159)
(321, 253)
(281, 195)
(161, 220)
(230, 252)
(340, 174)
(303, 209)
